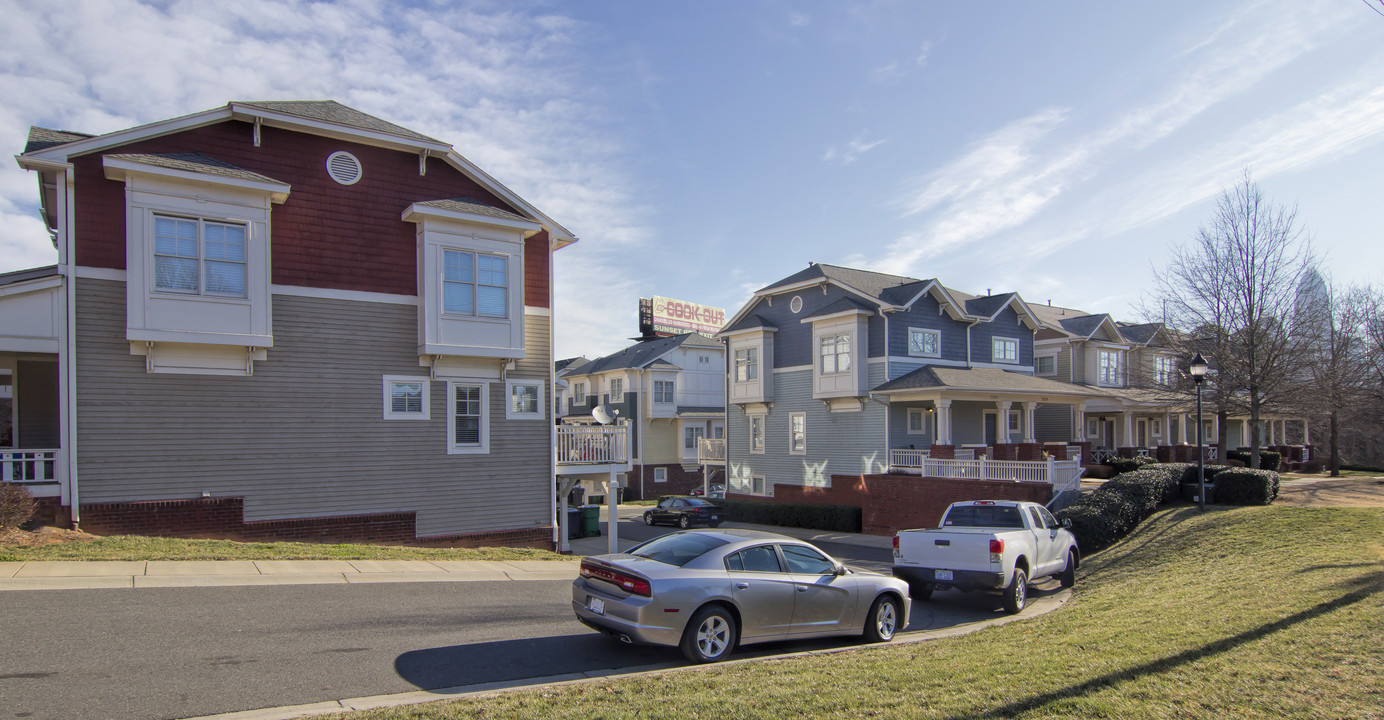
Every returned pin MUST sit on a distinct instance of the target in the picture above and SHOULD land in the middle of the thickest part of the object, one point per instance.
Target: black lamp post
(1198, 370)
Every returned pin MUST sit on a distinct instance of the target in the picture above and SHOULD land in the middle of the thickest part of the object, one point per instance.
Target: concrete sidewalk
(97, 574)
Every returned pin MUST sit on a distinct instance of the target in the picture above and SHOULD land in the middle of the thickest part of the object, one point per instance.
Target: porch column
(1306, 436)
(1128, 430)
(1030, 435)
(1002, 427)
(1079, 431)
(1167, 437)
(944, 429)
(1244, 431)
(1185, 435)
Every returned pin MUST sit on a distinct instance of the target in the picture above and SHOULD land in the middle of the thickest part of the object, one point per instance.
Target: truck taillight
(896, 543)
(996, 545)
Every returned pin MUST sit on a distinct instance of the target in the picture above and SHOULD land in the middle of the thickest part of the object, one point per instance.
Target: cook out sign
(690, 316)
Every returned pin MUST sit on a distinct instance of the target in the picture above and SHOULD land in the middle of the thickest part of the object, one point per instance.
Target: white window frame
(201, 258)
(697, 431)
(1038, 364)
(672, 392)
(758, 486)
(579, 393)
(660, 474)
(1016, 423)
(474, 283)
(748, 370)
(757, 422)
(836, 340)
(792, 432)
(617, 390)
(510, 413)
(936, 336)
(390, 413)
(1092, 427)
(483, 446)
(927, 422)
(1113, 380)
(998, 353)
(1157, 427)
(1164, 369)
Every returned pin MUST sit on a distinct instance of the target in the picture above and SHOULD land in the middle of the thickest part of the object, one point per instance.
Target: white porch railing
(907, 458)
(711, 450)
(593, 444)
(28, 466)
(1054, 472)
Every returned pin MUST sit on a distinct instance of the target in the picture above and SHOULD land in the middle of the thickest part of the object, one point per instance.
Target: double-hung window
(924, 343)
(756, 433)
(921, 421)
(200, 257)
(579, 393)
(617, 389)
(797, 433)
(690, 435)
(663, 391)
(836, 353)
(1108, 367)
(746, 364)
(1163, 369)
(474, 284)
(467, 418)
(1047, 364)
(1004, 350)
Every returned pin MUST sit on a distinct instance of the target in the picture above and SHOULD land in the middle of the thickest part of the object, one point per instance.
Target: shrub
(1111, 511)
(839, 518)
(1124, 465)
(1091, 527)
(1268, 459)
(1361, 468)
(1311, 467)
(1246, 487)
(1232, 462)
(17, 505)
(1099, 472)
(1189, 475)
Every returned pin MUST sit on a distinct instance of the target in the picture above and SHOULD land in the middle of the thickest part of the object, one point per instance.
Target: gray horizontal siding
(305, 436)
(1053, 423)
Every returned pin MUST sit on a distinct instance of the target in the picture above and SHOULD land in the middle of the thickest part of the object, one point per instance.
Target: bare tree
(1334, 322)
(1232, 290)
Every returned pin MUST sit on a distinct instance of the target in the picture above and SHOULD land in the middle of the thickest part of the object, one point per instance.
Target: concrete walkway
(98, 574)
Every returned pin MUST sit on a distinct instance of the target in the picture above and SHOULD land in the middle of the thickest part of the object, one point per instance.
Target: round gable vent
(343, 167)
(796, 305)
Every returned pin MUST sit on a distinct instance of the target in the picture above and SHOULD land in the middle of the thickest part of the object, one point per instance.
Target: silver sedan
(707, 591)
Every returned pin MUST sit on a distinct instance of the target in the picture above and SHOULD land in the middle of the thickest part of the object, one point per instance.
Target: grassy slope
(133, 547)
(1239, 613)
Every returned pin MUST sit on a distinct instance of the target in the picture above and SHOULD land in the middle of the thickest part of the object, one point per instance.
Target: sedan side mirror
(841, 570)
(1067, 523)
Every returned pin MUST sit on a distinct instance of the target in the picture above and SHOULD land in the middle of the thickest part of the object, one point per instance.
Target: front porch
(35, 470)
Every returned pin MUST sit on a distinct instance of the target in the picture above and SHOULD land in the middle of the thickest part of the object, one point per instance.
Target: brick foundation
(680, 482)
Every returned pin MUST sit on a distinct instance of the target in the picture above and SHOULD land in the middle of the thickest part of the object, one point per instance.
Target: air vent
(344, 168)
(796, 305)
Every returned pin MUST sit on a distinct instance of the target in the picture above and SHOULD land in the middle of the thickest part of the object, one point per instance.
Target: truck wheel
(1067, 577)
(883, 620)
(1016, 595)
(920, 592)
(710, 636)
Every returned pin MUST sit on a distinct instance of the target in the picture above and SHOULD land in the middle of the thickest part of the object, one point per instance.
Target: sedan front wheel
(649, 519)
(684, 522)
(710, 636)
(883, 620)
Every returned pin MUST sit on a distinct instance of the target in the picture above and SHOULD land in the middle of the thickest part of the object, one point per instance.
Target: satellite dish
(605, 414)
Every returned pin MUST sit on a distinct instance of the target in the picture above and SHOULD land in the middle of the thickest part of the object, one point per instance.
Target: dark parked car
(684, 512)
(718, 492)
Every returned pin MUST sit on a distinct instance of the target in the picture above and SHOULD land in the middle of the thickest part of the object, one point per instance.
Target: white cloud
(798, 20)
(851, 151)
(898, 70)
(502, 86)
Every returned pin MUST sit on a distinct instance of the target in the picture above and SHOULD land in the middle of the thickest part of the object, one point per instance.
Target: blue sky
(704, 150)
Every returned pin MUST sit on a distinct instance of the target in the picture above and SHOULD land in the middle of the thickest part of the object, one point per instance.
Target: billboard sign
(675, 317)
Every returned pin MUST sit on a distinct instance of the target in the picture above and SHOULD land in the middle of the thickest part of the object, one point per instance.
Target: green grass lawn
(1265, 612)
(134, 547)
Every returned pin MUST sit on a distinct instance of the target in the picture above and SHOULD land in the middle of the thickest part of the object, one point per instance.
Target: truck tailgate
(956, 549)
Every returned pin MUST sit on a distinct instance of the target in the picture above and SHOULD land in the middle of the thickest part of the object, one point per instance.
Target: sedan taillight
(626, 582)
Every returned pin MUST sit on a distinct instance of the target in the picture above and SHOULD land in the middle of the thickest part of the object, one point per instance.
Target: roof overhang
(119, 169)
(417, 212)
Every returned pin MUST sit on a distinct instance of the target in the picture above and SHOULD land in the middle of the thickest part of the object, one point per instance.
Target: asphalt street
(180, 652)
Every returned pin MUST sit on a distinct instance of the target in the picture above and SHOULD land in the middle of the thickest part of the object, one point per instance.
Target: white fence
(1053, 472)
(593, 444)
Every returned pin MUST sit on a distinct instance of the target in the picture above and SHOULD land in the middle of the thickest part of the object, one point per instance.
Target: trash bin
(574, 524)
(577, 497)
(591, 520)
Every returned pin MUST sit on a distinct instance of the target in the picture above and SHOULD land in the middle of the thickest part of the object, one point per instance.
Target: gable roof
(648, 353)
(1142, 334)
(749, 322)
(842, 305)
(331, 111)
(474, 207)
(41, 138)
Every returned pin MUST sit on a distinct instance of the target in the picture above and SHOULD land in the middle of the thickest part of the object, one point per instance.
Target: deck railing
(711, 450)
(28, 466)
(1053, 472)
(593, 444)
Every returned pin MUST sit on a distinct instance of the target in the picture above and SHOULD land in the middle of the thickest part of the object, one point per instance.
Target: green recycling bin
(591, 520)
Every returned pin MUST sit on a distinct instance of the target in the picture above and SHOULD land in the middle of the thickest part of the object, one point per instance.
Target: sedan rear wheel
(883, 620)
(684, 522)
(649, 518)
(710, 636)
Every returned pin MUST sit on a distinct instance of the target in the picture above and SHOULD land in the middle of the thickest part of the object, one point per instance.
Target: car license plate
(936, 575)
(715, 517)
(595, 605)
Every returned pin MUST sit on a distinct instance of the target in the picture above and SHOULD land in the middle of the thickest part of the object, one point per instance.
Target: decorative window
(663, 391)
(1047, 364)
(579, 393)
(1164, 369)
(199, 257)
(797, 433)
(924, 343)
(746, 364)
(474, 284)
(756, 433)
(920, 421)
(1092, 427)
(617, 389)
(836, 354)
(796, 304)
(525, 399)
(660, 474)
(1108, 367)
(406, 398)
(1004, 350)
(468, 429)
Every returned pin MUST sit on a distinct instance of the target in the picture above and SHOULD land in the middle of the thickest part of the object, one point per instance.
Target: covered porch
(31, 315)
(1130, 423)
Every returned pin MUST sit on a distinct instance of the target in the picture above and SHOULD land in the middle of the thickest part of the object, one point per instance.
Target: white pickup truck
(987, 545)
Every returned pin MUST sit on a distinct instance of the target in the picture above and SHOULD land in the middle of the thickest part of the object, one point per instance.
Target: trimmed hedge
(1268, 459)
(838, 518)
(1111, 511)
(1246, 486)
(1123, 464)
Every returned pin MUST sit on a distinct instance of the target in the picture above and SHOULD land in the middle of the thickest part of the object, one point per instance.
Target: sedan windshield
(678, 548)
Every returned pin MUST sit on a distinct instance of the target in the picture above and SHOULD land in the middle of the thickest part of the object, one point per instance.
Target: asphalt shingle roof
(868, 282)
(1141, 334)
(19, 276)
(193, 162)
(41, 138)
(1083, 326)
(988, 305)
(845, 304)
(984, 379)
(475, 207)
(749, 322)
(644, 354)
(334, 112)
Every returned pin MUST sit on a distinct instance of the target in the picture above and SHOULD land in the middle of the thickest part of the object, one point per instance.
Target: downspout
(68, 389)
(559, 538)
(968, 343)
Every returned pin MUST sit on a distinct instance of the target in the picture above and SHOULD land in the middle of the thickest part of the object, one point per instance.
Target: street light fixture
(1198, 370)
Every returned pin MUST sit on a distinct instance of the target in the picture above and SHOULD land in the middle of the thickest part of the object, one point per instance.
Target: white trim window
(835, 354)
(757, 434)
(663, 392)
(406, 398)
(921, 421)
(757, 484)
(1092, 427)
(1108, 367)
(747, 364)
(199, 257)
(617, 389)
(1015, 421)
(475, 283)
(524, 400)
(924, 342)
(691, 436)
(468, 421)
(660, 474)
(1045, 364)
(1164, 369)
(1004, 350)
(579, 393)
(797, 433)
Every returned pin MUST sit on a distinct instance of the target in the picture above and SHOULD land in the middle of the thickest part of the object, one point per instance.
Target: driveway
(1332, 492)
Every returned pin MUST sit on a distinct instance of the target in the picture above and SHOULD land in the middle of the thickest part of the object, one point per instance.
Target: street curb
(1038, 607)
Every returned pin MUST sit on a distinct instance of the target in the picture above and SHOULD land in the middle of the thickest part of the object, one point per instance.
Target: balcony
(711, 451)
(592, 448)
(34, 469)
